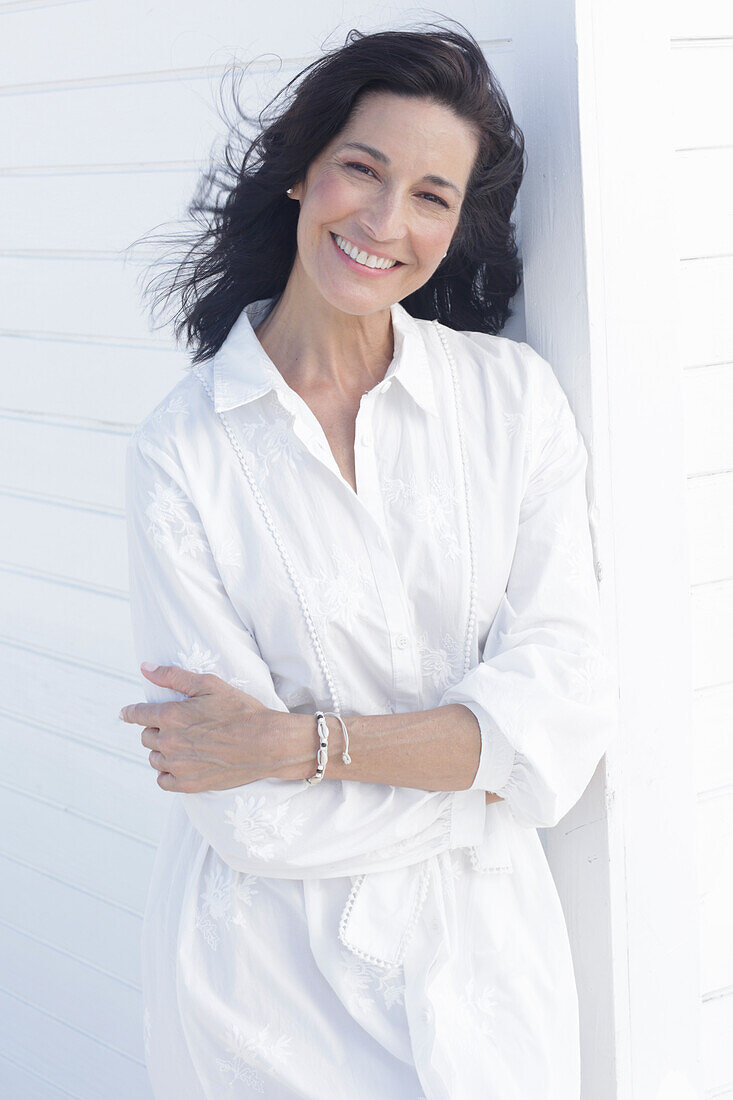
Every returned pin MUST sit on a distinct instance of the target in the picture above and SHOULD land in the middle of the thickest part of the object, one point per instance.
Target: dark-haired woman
(360, 558)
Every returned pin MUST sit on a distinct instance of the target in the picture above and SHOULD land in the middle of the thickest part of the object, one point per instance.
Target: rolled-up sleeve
(182, 615)
(543, 691)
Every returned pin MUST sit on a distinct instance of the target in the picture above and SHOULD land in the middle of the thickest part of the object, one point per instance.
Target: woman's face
(379, 199)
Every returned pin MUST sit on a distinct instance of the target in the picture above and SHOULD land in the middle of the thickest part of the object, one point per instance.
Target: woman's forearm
(432, 750)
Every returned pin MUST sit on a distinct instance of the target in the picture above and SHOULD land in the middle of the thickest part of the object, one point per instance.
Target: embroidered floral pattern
(477, 1006)
(341, 592)
(228, 555)
(434, 507)
(259, 826)
(587, 677)
(198, 659)
(239, 682)
(170, 523)
(175, 405)
(251, 1057)
(553, 421)
(224, 895)
(268, 437)
(438, 665)
(366, 980)
(570, 542)
(513, 422)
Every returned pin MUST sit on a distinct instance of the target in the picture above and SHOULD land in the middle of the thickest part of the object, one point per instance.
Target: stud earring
(288, 190)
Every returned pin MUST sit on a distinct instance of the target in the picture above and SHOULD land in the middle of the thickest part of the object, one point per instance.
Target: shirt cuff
(497, 757)
(468, 818)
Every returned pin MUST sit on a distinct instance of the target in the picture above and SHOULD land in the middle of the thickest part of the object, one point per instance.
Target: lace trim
(267, 515)
(422, 893)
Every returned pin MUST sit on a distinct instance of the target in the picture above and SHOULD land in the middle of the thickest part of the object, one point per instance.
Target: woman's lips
(360, 267)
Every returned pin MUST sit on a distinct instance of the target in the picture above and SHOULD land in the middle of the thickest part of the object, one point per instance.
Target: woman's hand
(216, 739)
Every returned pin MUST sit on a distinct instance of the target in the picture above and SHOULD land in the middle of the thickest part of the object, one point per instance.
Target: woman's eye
(428, 194)
(353, 164)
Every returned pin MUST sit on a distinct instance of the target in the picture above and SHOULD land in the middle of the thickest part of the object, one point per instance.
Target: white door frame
(599, 289)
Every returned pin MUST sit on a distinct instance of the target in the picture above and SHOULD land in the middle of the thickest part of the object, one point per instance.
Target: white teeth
(364, 258)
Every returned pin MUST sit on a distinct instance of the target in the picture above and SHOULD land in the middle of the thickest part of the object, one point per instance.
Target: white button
(364, 440)
(401, 641)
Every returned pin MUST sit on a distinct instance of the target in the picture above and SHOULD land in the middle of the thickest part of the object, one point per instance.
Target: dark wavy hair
(247, 242)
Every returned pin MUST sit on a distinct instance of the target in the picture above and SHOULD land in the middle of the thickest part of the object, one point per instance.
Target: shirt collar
(243, 370)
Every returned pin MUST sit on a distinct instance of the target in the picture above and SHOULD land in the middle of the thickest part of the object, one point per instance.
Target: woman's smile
(362, 268)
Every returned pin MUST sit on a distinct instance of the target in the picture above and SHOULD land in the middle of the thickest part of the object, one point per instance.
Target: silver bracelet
(322, 754)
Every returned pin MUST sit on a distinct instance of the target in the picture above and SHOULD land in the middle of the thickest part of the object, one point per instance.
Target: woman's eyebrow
(439, 181)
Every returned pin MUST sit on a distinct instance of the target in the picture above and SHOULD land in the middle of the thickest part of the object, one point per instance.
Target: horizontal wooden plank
(88, 41)
(78, 700)
(100, 1006)
(25, 1082)
(94, 211)
(80, 380)
(703, 19)
(84, 780)
(714, 845)
(704, 318)
(81, 545)
(711, 614)
(83, 297)
(175, 117)
(716, 942)
(710, 527)
(85, 626)
(702, 89)
(61, 1053)
(716, 1028)
(86, 927)
(711, 715)
(170, 118)
(703, 224)
(87, 855)
(77, 464)
(713, 838)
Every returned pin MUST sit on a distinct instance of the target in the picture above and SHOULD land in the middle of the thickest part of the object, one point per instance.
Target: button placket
(407, 684)
(365, 466)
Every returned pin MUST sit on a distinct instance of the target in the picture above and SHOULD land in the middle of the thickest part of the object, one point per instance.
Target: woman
(364, 502)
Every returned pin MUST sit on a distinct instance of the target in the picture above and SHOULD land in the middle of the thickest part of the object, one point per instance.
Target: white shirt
(352, 939)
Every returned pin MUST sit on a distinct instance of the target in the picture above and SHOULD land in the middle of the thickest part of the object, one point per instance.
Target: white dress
(347, 939)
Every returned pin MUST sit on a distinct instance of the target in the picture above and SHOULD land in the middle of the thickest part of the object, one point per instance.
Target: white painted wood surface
(702, 62)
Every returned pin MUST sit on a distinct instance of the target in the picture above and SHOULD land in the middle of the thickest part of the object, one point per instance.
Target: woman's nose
(385, 219)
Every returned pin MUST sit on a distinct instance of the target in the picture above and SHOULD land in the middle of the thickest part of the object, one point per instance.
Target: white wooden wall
(702, 63)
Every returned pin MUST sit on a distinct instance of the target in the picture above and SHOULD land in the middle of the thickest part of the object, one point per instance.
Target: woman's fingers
(150, 736)
(157, 760)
